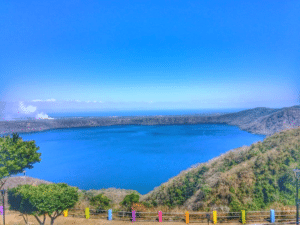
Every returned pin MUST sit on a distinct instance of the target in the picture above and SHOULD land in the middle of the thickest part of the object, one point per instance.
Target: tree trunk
(40, 222)
(52, 221)
(25, 218)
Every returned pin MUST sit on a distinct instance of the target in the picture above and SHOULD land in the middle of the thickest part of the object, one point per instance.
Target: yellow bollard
(215, 217)
(187, 217)
(66, 213)
(87, 213)
(243, 217)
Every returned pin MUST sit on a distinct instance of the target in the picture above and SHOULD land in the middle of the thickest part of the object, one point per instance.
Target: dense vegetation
(15, 156)
(250, 178)
(44, 199)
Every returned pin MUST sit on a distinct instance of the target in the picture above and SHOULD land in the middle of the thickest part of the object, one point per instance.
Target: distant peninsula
(261, 120)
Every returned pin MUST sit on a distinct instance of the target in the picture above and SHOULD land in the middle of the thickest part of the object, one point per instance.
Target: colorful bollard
(133, 215)
(272, 216)
(243, 217)
(110, 214)
(159, 216)
(65, 213)
(87, 213)
(215, 217)
(1, 210)
(187, 217)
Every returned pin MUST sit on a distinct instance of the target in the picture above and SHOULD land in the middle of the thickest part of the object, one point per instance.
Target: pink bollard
(159, 216)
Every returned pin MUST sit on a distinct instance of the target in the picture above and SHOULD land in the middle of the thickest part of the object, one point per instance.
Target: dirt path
(14, 218)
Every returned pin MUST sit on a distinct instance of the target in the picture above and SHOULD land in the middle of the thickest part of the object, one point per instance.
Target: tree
(15, 156)
(129, 199)
(19, 201)
(100, 201)
(51, 199)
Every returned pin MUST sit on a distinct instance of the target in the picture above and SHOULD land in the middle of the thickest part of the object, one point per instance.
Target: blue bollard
(272, 216)
(109, 214)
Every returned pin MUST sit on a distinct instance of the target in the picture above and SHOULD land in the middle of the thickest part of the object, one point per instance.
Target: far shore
(253, 121)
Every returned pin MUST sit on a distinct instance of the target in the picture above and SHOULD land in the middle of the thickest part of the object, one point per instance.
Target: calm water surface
(130, 157)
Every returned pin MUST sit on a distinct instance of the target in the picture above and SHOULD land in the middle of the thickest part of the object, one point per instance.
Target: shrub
(100, 201)
(129, 199)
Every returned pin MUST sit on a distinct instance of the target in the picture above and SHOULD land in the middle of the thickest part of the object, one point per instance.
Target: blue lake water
(130, 157)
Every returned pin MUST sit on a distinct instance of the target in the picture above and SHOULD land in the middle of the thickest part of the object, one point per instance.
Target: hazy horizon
(22, 113)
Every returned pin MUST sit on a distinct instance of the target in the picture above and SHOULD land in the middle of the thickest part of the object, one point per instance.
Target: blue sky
(64, 55)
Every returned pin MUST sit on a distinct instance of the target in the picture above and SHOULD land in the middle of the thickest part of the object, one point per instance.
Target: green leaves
(17, 155)
(100, 201)
(43, 199)
(206, 189)
(231, 189)
(129, 199)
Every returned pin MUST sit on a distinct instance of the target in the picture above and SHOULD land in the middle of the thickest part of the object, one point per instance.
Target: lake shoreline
(261, 121)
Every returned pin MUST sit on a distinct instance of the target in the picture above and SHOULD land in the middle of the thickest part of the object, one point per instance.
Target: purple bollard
(133, 215)
(1, 210)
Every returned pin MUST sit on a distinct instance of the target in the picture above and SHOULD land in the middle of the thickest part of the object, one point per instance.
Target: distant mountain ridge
(259, 120)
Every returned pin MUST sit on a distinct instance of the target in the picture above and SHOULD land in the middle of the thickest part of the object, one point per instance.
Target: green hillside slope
(251, 177)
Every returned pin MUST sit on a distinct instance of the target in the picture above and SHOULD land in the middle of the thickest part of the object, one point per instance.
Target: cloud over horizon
(19, 111)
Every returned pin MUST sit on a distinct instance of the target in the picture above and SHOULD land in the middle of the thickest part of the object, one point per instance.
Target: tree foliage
(16, 155)
(100, 201)
(51, 199)
(129, 199)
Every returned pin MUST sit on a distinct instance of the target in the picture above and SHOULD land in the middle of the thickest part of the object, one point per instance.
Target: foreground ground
(15, 218)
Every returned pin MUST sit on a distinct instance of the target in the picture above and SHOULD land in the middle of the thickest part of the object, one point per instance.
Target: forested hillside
(251, 177)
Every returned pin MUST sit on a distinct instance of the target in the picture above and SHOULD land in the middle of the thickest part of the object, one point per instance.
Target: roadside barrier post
(159, 216)
(272, 216)
(215, 217)
(243, 217)
(133, 215)
(1, 213)
(110, 214)
(208, 218)
(87, 213)
(66, 213)
(187, 217)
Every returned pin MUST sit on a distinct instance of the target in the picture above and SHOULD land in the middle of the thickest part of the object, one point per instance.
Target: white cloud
(20, 110)
(95, 101)
(87, 101)
(48, 100)
(28, 109)
(51, 100)
(43, 116)
(78, 101)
